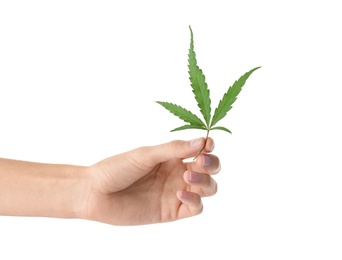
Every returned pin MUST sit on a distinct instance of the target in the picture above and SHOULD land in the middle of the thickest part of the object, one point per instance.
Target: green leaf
(221, 128)
(230, 97)
(202, 96)
(184, 127)
(182, 113)
(198, 84)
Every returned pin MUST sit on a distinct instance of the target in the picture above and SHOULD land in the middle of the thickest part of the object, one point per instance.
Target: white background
(78, 81)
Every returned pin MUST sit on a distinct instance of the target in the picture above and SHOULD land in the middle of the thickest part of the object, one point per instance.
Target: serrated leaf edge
(230, 97)
(184, 127)
(184, 114)
(199, 86)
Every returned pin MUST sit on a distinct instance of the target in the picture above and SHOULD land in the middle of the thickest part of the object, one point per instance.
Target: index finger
(209, 145)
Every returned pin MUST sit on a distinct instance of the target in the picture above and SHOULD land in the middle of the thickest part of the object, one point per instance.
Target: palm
(150, 199)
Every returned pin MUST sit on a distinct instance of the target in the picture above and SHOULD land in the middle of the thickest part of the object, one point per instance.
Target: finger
(201, 183)
(205, 163)
(153, 155)
(191, 204)
(209, 145)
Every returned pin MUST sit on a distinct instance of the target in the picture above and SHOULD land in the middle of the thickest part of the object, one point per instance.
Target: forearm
(46, 190)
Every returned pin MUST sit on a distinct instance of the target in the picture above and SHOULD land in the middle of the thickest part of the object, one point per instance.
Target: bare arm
(37, 189)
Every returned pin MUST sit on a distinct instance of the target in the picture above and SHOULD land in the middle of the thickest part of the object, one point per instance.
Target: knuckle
(210, 189)
(174, 144)
(214, 188)
(174, 148)
(199, 208)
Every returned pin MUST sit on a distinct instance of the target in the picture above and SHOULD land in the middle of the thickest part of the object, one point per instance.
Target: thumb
(172, 150)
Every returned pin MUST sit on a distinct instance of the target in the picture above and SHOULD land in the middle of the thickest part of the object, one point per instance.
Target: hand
(152, 184)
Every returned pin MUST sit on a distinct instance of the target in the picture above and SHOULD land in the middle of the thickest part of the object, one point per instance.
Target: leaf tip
(191, 35)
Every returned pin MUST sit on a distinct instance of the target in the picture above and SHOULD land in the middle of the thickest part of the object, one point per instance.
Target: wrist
(80, 183)
(64, 190)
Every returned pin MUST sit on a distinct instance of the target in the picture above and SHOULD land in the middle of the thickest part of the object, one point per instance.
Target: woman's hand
(152, 184)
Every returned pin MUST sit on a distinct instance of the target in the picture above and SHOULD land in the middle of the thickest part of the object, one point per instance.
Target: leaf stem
(205, 143)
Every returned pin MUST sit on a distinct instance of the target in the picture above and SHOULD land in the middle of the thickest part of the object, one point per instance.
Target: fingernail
(206, 160)
(185, 195)
(195, 142)
(212, 147)
(195, 177)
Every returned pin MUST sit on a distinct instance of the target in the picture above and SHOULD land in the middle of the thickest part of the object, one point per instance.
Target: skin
(151, 184)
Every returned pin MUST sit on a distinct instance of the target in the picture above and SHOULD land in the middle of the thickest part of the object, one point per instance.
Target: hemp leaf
(202, 96)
